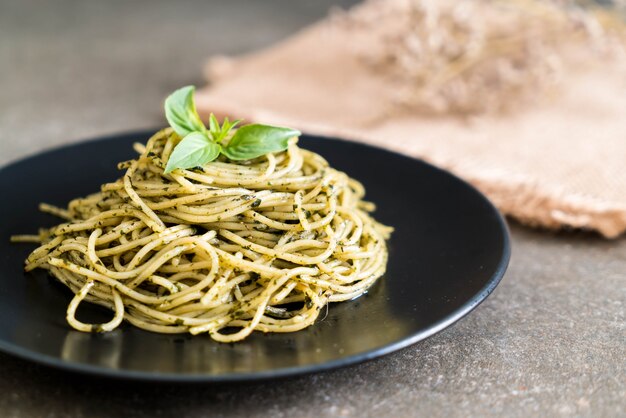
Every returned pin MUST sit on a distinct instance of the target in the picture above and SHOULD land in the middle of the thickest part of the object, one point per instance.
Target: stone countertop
(550, 341)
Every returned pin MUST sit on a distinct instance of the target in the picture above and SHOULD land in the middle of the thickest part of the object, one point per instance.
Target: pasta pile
(224, 249)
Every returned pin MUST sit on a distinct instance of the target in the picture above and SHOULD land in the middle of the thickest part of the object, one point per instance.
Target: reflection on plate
(448, 252)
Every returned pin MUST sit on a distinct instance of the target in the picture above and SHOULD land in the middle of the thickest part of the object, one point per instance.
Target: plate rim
(134, 375)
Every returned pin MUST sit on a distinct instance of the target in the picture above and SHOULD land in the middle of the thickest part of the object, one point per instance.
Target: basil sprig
(200, 145)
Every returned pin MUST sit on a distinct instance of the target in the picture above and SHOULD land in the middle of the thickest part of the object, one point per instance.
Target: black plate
(448, 252)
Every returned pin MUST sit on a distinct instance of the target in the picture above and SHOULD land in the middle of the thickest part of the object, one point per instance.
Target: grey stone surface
(551, 340)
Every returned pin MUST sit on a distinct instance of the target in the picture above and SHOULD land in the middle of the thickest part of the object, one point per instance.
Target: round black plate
(448, 252)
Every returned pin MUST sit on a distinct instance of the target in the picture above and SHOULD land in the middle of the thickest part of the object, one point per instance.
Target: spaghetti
(224, 249)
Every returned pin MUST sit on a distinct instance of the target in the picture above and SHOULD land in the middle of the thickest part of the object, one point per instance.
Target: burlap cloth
(556, 161)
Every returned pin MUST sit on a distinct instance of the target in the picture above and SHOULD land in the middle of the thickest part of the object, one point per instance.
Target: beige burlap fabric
(551, 155)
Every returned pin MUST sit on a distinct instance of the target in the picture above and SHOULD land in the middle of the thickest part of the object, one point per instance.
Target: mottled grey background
(551, 340)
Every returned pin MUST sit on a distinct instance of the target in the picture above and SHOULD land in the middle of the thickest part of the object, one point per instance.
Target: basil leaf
(228, 125)
(214, 125)
(194, 150)
(181, 112)
(218, 133)
(252, 141)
